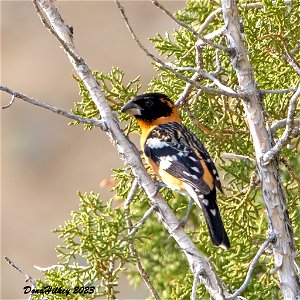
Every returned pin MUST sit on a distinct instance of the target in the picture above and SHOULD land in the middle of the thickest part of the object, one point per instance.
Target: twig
(204, 74)
(284, 139)
(162, 64)
(141, 222)
(195, 283)
(259, 253)
(132, 249)
(282, 91)
(209, 19)
(238, 156)
(27, 277)
(98, 123)
(13, 97)
(180, 23)
(281, 124)
(61, 267)
(131, 193)
(187, 90)
(218, 11)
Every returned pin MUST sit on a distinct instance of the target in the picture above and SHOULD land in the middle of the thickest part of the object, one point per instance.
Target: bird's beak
(131, 108)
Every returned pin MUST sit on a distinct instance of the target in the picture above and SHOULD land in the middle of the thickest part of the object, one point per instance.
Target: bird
(178, 157)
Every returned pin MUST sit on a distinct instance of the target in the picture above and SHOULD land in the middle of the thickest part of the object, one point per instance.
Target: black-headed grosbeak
(178, 157)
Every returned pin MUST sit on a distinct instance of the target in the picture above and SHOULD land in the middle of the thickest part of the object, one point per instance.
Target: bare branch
(131, 193)
(162, 64)
(263, 92)
(259, 253)
(284, 139)
(141, 222)
(195, 283)
(182, 24)
(281, 124)
(209, 19)
(239, 157)
(98, 123)
(132, 249)
(13, 97)
(27, 277)
(204, 74)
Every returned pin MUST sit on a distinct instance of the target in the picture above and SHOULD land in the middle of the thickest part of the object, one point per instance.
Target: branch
(132, 249)
(281, 124)
(272, 187)
(27, 277)
(162, 64)
(180, 23)
(259, 253)
(98, 123)
(139, 224)
(238, 156)
(282, 91)
(284, 139)
(131, 156)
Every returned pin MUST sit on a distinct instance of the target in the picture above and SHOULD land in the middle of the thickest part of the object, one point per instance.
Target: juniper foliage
(95, 243)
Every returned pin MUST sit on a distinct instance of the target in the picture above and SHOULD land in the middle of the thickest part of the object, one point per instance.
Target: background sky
(44, 162)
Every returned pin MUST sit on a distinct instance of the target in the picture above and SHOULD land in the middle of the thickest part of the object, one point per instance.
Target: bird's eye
(148, 103)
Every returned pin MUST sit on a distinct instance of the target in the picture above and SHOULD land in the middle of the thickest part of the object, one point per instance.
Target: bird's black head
(150, 107)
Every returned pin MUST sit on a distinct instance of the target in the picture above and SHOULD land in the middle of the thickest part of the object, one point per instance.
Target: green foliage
(115, 90)
(94, 252)
(96, 235)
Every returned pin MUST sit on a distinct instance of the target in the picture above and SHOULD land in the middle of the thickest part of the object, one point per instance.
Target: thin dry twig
(284, 139)
(13, 97)
(27, 277)
(142, 221)
(132, 249)
(162, 64)
(282, 91)
(98, 123)
(195, 283)
(180, 23)
(259, 253)
(239, 157)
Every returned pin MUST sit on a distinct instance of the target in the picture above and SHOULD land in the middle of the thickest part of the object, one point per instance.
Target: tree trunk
(273, 192)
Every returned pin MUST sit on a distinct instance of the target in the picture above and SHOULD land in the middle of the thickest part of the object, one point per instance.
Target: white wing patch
(166, 161)
(155, 143)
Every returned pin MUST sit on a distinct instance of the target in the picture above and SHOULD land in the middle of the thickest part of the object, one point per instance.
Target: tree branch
(131, 156)
(162, 64)
(182, 24)
(259, 253)
(281, 124)
(132, 249)
(285, 138)
(27, 277)
(272, 188)
(98, 123)
(238, 156)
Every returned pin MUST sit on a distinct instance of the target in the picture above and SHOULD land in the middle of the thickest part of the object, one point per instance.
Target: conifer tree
(234, 72)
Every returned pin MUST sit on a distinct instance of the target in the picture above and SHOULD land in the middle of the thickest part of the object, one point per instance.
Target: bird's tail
(213, 219)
